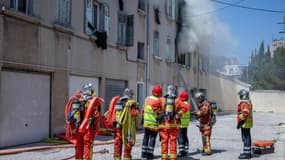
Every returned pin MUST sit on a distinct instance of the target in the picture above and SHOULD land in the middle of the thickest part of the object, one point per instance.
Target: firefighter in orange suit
(204, 115)
(152, 107)
(127, 121)
(245, 121)
(169, 126)
(84, 134)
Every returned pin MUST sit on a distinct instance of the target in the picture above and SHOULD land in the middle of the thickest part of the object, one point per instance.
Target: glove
(240, 123)
(142, 121)
(160, 117)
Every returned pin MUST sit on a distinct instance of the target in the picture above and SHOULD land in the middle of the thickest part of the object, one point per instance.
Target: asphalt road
(226, 142)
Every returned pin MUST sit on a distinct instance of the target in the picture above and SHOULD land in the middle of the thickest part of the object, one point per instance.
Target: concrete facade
(225, 91)
(37, 43)
(268, 101)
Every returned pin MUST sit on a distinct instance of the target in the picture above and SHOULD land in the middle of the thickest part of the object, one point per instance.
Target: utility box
(263, 147)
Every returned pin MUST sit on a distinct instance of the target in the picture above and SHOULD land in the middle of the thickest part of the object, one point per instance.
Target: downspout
(148, 50)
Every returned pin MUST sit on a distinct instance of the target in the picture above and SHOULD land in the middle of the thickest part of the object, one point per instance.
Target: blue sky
(250, 27)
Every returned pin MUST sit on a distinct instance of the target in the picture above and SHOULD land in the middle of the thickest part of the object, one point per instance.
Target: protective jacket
(151, 108)
(244, 111)
(185, 119)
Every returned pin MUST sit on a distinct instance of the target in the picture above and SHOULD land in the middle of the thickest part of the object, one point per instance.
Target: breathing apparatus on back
(170, 103)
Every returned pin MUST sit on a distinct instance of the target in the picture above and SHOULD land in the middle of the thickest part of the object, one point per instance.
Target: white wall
(268, 101)
(224, 91)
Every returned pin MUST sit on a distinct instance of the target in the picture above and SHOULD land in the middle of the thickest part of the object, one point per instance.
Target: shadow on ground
(103, 138)
(214, 151)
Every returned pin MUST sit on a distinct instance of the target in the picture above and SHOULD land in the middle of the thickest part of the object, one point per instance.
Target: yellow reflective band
(164, 155)
(173, 155)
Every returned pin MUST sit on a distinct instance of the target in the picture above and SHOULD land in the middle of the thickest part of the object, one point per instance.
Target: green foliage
(267, 73)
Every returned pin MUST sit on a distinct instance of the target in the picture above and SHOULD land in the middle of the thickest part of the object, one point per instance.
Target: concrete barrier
(268, 101)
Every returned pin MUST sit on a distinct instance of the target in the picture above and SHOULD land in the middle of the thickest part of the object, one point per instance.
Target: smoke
(203, 31)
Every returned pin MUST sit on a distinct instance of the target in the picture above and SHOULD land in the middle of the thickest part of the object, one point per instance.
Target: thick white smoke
(203, 31)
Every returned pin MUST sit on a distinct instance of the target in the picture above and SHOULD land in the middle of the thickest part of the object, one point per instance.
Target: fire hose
(29, 149)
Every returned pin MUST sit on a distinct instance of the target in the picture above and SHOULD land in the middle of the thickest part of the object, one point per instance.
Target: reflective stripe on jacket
(185, 119)
(150, 112)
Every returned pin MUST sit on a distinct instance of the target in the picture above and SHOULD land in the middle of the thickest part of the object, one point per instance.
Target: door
(25, 108)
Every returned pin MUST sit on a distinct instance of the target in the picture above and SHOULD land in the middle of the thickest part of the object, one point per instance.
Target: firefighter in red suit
(169, 125)
(204, 115)
(84, 139)
(127, 121)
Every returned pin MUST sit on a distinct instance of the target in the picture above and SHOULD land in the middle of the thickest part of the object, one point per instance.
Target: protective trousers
(168, 136)
(148, 143)
(246, 138)
(84, 145)
(206, 137)
(118, 146)
(183, 143)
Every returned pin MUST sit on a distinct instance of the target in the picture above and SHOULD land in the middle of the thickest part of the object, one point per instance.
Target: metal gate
(25, 107)
(113, 88)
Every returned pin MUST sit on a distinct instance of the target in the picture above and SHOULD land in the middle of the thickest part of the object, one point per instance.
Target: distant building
(276, 43)
(231, 68)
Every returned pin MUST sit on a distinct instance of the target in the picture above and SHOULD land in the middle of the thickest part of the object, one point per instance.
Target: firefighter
(244, 121)
(84, 116)
(169, 125)
(183, 143)
(152, 107)
(204, 116)
(127, 121)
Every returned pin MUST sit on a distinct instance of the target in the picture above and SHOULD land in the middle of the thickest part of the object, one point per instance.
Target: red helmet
(184, 96)
(157, 91)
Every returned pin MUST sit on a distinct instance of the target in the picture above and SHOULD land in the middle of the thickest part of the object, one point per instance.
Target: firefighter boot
(244, 156)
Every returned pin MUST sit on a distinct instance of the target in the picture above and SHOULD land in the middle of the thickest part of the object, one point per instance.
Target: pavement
(226, 142)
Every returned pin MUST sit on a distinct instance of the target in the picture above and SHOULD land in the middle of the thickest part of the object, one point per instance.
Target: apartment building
(49, 49)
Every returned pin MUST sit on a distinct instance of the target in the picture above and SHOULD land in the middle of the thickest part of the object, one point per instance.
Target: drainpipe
(148, 50)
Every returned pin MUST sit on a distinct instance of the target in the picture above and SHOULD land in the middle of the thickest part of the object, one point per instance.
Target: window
(97, 17)
(140, 50)
(64, 12)
(106, 18)
(23, 6)
(188, 59)
(141, 5)
(168, 49)
(156, 43)
(125, 29)
(181, 59)
(171, 9)
(140, 94)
